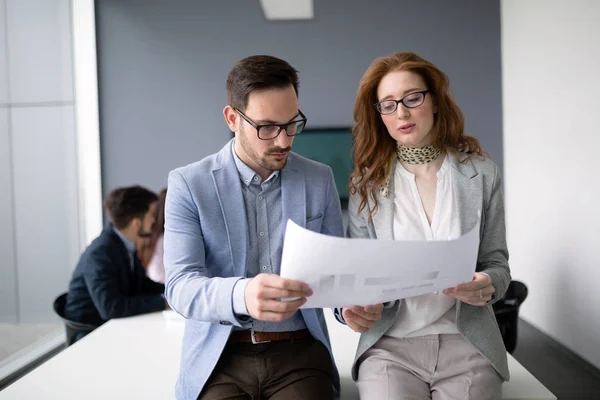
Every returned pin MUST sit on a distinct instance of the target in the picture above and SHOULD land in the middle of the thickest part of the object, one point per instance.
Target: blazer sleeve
(188, 287)
(493, 251)
(102, 279)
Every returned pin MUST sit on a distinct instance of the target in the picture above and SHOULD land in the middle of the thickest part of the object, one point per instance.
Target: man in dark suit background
(109, 280)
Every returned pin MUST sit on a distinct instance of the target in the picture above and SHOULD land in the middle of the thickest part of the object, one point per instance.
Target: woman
(418, 176)
(151, 251)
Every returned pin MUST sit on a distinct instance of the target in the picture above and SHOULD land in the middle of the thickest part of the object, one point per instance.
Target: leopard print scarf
(410, 155)
(417, 155)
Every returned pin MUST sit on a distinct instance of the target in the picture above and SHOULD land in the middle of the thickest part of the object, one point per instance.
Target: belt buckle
(254, 341)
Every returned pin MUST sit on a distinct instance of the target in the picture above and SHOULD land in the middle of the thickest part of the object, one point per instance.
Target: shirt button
(256, 178)
(260, 197)
(262, 234)
(264, 267)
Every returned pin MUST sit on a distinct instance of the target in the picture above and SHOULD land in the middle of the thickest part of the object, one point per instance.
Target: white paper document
(346, 272)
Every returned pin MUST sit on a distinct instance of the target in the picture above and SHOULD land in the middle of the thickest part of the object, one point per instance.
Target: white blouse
(433, 313)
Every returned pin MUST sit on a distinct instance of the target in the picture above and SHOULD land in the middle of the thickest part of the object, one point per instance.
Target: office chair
(74, 330)
(507, 313)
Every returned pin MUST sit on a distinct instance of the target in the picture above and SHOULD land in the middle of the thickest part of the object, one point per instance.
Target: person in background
(418, 176)
(109, 280)
(151, 250)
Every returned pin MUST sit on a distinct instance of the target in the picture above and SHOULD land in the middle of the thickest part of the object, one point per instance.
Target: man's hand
(361, 319)
(476, 293)
(264, 290)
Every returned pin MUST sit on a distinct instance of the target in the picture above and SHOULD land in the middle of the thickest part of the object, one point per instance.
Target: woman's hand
(361, 319)
(476, 293)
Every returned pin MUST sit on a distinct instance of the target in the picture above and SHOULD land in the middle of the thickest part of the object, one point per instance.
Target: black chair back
(74, 330)
(507, 313)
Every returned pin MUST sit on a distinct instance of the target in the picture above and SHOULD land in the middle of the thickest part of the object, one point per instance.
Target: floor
(565, 374)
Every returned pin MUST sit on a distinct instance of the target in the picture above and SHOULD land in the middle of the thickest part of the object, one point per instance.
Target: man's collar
(129, 245)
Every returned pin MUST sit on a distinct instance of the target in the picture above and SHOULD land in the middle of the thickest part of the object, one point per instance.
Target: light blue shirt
(264, 214)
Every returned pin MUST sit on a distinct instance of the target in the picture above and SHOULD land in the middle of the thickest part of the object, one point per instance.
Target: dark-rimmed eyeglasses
(412, 100)
(271, 131)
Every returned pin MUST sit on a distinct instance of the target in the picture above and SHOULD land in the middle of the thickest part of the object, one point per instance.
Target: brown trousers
(283, 370)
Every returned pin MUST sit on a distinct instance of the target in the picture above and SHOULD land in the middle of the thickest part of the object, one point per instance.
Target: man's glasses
(271, 131)
(412, 100)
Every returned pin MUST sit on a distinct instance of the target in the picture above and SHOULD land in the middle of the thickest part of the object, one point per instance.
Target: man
(225, 220)
(109, 281)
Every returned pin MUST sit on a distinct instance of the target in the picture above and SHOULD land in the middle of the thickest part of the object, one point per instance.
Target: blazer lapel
(293, 193)
(138, 274)
(383, 220)
(468, 191)
(125, 268)
(229, 192)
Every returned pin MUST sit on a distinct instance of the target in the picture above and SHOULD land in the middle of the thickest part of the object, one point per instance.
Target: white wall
(551, 88)
(39, 234)
(8, 283)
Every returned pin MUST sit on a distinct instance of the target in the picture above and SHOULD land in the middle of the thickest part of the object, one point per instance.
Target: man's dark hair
(126, 203)
(255, 73)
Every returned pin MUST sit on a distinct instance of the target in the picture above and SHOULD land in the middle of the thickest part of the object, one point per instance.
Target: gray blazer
(477, 186)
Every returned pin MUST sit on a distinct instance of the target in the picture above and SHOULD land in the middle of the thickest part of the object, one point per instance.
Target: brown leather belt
(265, 337)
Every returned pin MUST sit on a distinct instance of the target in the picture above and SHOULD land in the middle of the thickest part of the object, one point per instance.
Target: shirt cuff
(389, 304)
(337, 313)
(238, 298)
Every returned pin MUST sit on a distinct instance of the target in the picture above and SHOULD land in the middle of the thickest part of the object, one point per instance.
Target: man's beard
(264, 162)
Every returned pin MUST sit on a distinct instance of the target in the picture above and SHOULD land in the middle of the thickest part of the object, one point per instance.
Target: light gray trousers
(436, 367)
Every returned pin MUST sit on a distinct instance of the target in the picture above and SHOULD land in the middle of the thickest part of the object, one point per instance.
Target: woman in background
(151, 250)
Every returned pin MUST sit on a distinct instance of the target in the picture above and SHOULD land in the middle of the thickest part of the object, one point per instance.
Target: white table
(138, 358)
